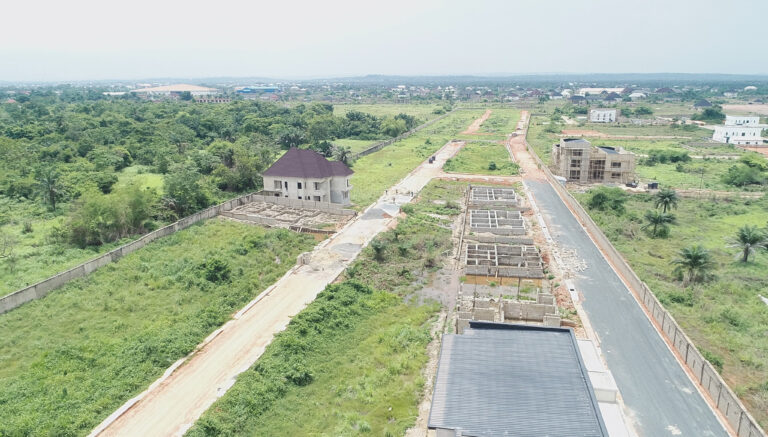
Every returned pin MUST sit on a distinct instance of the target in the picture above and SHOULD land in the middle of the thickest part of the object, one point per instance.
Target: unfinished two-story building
(307, 175)
(577, 160)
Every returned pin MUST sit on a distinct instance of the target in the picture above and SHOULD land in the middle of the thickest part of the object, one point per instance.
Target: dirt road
(475, 126)
(172, 404)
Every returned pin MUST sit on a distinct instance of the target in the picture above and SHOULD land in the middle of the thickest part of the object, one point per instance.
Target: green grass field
(355, 146)
(634, 130)
(380, 170)
(70, 359)
(142, 175)
(724, 317)
(476, 157)
(423, 112)
(351, 362)
(696, 174)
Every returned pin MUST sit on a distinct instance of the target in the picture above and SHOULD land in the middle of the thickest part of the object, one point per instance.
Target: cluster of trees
(714, 115)
(639, 111)
(657, 156)
(752, 169)
(70, 148)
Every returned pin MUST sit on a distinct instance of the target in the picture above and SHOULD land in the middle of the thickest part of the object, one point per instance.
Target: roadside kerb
(722, 397)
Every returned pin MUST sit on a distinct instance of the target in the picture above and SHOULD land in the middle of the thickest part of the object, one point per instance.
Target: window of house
(299, 185)
(575, 163)
(278, 185)
(577, 153)
(615, 175)
(317, 185)
(299, 197)
(615, 165)
(316, 198)
(347, 182)
(286, 185)
(575, 174)
(345, 194)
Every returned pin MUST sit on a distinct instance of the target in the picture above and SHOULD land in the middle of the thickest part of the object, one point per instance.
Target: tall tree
(694, 262)
(48, 186)
(658, 222)
(666, 198)
(748, 238)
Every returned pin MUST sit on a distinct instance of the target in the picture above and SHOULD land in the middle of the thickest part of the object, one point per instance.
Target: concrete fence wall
(331, 208)
(42, 288)
(713, 384)
(382, 144)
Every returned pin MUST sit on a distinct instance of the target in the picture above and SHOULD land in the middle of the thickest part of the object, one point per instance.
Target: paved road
(661, 399)
(171, 405)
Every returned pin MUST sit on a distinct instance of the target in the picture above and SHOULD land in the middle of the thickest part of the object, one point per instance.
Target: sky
(55, 40)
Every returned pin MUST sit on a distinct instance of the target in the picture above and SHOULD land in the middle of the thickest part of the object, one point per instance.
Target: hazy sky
(114, 39)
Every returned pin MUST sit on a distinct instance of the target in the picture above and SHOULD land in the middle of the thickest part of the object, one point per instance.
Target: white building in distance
(740, 130)
(741, 120)
(603, 115)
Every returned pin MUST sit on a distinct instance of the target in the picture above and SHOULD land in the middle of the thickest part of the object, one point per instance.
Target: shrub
(714, 359)
(216, 270)
(492, 166)
(607, 199)
(27, 228)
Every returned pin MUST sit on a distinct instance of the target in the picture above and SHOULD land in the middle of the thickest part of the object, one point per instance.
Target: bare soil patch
(761, 109)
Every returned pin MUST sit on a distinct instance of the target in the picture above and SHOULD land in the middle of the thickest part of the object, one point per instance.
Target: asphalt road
(661, 399)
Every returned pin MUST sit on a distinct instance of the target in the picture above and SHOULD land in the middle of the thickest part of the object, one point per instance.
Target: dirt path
(475, 126)
(763, 150)
(173, 403)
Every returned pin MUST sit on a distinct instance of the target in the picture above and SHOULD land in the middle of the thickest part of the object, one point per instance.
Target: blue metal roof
(514, 380)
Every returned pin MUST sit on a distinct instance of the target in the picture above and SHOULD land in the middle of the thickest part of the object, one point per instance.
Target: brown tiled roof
(300, 163)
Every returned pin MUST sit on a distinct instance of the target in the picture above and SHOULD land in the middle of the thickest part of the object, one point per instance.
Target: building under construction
(578, 161)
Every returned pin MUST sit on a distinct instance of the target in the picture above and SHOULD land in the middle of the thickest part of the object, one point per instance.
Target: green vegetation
(356, 146)
(351, 362)
(717, 305)
(380, 170)
(422, 112)
(502, 122)
(482, 158)
(713, 115)
(70, 359)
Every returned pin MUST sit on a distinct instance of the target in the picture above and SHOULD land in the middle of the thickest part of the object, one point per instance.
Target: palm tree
(343, 154)
(748, 238)
(48, 185)
(658, 222)
(666, 198)
(695, 262)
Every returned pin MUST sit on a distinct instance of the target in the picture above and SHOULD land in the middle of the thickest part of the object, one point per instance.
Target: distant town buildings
(175, 91)
(578, 161)
(603, 115)
(304, 174)
(740, 130)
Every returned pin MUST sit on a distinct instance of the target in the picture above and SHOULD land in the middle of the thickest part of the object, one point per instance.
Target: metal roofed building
(500, 379)
(304, 174)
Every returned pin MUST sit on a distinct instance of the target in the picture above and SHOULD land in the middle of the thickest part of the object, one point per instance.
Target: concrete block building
(307, 175)
(603, 115)
(577, 160)
(740, 130)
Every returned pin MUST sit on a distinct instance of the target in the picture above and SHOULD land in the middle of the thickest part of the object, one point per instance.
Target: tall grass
(70, 359)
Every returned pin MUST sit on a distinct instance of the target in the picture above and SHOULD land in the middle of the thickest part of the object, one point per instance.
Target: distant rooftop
(177, 88)
(500, 379)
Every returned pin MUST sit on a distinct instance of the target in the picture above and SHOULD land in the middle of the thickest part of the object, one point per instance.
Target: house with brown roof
(307, 175)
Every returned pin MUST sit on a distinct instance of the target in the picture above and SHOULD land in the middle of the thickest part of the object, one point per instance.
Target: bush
(714, 359)
(607, 199)
(216, 270)
(742, 175)
(492, 165)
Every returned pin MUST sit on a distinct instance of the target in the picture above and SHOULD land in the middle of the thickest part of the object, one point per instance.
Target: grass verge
(482, 158)
(70, 359)
(724, 316)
